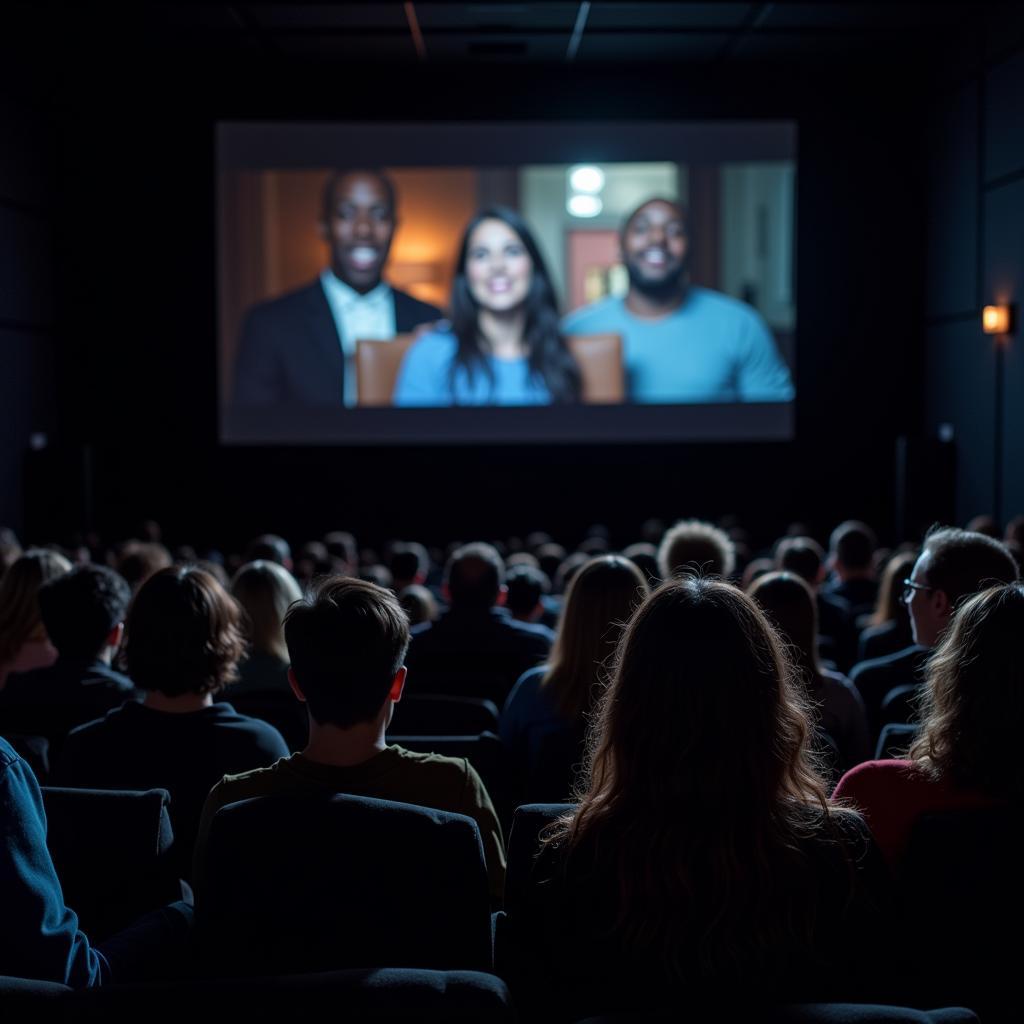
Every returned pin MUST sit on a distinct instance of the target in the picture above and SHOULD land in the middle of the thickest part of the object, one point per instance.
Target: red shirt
(892, 795)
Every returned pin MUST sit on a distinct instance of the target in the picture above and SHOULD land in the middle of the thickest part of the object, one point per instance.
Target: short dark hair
(474, 575)
(526, 586)
(853, 543)
(693, 547)
(408, 560)
(346, 639)
(962, 562)
(800, 555)
(269, 547)
(184, 633)
(343, 172)
(80, 608)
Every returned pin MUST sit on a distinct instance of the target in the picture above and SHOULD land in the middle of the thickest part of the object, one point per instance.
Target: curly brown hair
(183, 634)
(973, 704)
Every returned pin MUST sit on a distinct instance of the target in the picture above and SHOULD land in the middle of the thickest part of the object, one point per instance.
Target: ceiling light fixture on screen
(997, 319)
(583, 205)
(586, 178)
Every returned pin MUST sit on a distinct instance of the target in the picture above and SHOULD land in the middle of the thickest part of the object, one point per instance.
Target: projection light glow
(584, 205)
(586, 178)
(996, 319)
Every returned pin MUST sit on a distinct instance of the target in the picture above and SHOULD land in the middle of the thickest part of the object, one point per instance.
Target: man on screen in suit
(300, 349)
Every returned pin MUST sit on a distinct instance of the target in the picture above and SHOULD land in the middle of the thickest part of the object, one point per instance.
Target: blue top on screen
(713, 348)
(423, 379)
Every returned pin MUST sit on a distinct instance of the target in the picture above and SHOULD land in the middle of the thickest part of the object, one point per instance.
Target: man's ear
(502, 596)
(942, 604)
(294, 684)
(115, 636)
(397, 685)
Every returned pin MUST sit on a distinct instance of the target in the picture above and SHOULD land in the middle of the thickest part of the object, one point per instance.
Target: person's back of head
(961, 563)
(474, 577)
(347, 640)
(526, 586)
(701, 740)
(851, 547)
(645, 557)
(341, 546)
(409, 563)
(20, 619)
(788, 601)
(419, 604)
(82, 609)
(890, 607)
(695, 547)
(985, 524)
(266, 590)
(803, 556)
(183, 634)
(973, 711)
(139, 560)
(600, 600)
(269, 547)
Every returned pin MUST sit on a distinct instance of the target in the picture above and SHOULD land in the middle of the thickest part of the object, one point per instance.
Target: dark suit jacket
(290, 353)
(474, 653)
(875, 678)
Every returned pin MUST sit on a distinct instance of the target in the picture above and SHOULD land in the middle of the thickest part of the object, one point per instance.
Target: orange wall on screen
(587, 249)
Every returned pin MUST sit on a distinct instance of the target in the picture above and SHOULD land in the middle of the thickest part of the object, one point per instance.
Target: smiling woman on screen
(503, 346)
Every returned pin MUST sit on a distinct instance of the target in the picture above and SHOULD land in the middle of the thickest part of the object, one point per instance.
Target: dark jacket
(290, 353)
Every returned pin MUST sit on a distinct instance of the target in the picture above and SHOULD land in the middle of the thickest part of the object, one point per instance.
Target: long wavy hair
(601, 597)
(889, 607)
(789, 603)
(20, 619)
(547, 355)
(973, 704)
(266, 591)
(701, 786)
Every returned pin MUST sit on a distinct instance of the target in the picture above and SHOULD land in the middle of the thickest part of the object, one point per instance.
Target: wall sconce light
(997, 319)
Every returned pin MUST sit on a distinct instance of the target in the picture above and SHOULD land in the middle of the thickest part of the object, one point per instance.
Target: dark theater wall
(975, 383)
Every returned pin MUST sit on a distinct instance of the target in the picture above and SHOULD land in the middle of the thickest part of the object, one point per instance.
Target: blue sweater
(423, 379)
(40, 938)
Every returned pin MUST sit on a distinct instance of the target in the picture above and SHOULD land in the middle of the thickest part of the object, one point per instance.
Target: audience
(703, 858)
(966, 753)
(526, 586)
(546, 714)
(24, 644)
(409, 565)
(475, 648)
(182, 645)
(692, 546)
(888, 629)
(418, 603)
(138, 560)
(83, 612)
(347, 640)
(836, 706)
(265, 591)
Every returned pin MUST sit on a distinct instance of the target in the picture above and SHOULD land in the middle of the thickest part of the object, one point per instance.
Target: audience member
(265, 590)
(24, 644)
(952, 565)
(182, 645)
(851, 550)
(888, 629)
(138, 560)
(409, 564)
(526, 586)
(83, 612)
(985, 524)
(695, 547)
(475, 648)
(270, 547)
(788, 601)
(703, 857)
(313, 561)
(805, 557)
(418, 603)
(344, 554)
(545, 717)
(966, 753)
(645, 557)
(347, 640)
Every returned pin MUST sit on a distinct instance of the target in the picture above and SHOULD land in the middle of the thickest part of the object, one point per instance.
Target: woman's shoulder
(438, 344)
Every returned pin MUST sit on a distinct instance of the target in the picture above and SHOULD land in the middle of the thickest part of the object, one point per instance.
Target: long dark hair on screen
(547, 355)
(701, 788)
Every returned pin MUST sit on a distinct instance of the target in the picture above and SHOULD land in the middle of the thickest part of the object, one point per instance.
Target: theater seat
(524, 841)
(315, 883)
(383, 995)
(111, 849)
(438, 714)
(599, 357)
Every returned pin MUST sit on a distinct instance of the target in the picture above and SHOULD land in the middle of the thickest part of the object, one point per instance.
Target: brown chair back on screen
(599, 357)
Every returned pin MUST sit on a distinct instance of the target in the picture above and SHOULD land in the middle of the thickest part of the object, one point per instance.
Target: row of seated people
(703, 851)
(171, 640)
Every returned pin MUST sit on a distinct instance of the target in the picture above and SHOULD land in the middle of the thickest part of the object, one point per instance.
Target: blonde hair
(266, 591)
(20, 620)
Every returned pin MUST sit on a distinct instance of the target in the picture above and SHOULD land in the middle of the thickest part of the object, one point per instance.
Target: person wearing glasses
(953, 564)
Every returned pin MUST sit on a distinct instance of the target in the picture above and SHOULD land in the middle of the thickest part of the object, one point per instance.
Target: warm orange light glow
(996, 319)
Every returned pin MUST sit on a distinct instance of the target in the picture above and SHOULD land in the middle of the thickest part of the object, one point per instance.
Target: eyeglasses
(909, 586)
